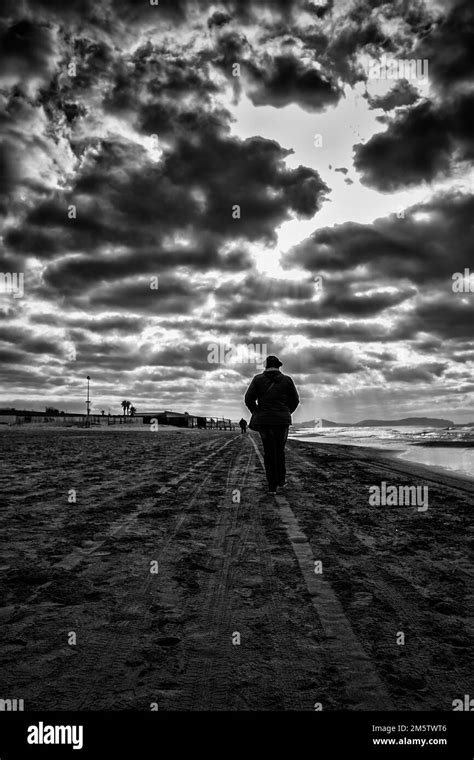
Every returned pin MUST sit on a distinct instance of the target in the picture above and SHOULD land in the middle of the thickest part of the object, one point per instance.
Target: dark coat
(277, 405)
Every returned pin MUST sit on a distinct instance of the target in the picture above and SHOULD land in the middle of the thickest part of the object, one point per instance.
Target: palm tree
(128, 407)
(124, 407)
(132, 411)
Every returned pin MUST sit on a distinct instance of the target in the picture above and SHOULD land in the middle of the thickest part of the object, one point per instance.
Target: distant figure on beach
(272, 398)
(243, 425)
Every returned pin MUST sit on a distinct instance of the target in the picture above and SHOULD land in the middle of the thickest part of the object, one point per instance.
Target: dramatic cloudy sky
(356, 203)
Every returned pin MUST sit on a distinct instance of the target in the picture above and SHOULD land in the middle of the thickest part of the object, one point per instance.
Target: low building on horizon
(75, 419)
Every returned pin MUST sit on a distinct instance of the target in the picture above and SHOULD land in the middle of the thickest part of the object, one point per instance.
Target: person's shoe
(272, 489)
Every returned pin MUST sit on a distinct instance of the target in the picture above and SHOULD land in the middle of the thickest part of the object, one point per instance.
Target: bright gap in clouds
(341, 127)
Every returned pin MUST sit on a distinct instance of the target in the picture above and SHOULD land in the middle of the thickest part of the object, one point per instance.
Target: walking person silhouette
(272, 398)
(243, 425)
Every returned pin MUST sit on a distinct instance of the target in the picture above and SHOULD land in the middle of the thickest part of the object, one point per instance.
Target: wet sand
(228, 571)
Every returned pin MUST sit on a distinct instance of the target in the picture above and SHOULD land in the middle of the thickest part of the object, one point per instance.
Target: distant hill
(406, 421)
(418, 421)
(322, 423)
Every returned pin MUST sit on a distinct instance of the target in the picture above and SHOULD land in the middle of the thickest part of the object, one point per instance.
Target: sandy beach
(188, 587)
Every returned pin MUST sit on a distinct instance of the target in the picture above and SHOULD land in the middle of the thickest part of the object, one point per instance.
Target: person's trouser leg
(269, 455)
(280, 436)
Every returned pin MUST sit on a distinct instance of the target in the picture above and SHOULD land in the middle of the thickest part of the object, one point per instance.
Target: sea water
(400, 439)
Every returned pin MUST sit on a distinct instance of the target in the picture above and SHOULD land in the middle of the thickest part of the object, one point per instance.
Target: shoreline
(426, 472)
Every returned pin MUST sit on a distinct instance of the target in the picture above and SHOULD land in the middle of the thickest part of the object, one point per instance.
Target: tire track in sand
(214, 670)
(102, 652)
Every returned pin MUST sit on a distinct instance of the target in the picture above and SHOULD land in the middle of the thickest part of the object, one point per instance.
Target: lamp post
(88, 404)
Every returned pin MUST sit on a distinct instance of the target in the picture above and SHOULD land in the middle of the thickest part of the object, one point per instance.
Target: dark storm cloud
(101, 325)
(152, 82)
(285, 79)
(248, 10)
(108, 12)
(349, 41)
(360, 331)
(79, 8)
(288, 74)
(24, 339)
(417, 146)
(242, 308)
(256, 295)
(104, 325)
(106, 356)
(401, 94)
(94, 60)
(176, 363)
(27, 51)
(123, 199)
(8, 175)
(135, 10)
(345, 331)
(337, 300)
(323, 359)
(23, 142)
(428, 345)
(446, 316)
(250, 173)
(174, 121)
(434, 325)
(6, 314)
(361, 28)
(426, 250)
(173, 374)
(231, 46)
(427, 373)
(12, 356)
(463, 354)
(18, 378)
(40, 243)
(195, 357)
(174, 296)
(75, 273)
(449, 46)
(218, 19)
(421, 142)
(274, 79)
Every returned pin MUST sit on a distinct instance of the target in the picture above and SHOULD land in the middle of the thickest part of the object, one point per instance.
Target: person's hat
(273, 361)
